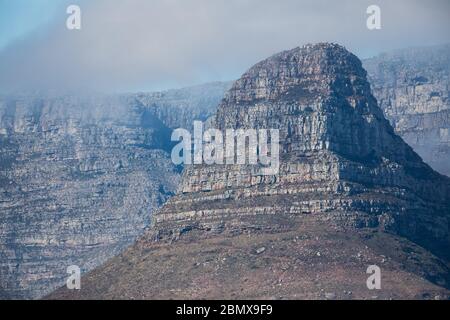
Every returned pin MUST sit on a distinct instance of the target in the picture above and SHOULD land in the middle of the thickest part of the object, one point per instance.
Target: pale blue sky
(18, 18)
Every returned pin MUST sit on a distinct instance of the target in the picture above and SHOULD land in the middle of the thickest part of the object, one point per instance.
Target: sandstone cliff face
(412, 87)
(81, 176)
(178, 108)
(79, 179)
(340, 158)
(349, 191)
(79, 183)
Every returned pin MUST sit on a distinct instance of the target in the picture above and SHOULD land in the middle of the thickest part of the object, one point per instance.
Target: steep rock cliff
(348, 193)
(412, 87)
(338, 153)
(79, 180)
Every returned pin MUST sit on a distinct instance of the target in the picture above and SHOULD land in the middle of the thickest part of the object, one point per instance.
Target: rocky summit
(349, 193)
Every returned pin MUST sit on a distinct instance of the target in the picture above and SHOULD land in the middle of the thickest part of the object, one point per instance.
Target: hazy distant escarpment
(412, 87)
(80, 177)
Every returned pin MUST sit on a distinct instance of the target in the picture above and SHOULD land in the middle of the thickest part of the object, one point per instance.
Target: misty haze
(355, 95)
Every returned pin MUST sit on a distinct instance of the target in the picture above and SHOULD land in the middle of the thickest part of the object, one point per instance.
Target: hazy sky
(156, 44)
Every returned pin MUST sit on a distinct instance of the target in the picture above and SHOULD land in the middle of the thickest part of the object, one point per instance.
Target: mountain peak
(319, 98)
(337, 154)
(306, 73)
(345, 179)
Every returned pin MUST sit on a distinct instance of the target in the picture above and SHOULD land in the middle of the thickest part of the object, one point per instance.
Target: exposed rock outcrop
(178, 108)
(339, 155)
(345, 177)
(81, 176)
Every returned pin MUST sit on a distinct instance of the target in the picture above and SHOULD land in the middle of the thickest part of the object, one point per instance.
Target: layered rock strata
(79, 180)
(412, 87)
(340, 158)
(349, 193)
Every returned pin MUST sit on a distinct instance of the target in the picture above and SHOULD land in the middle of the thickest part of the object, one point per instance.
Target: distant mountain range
(81, 176)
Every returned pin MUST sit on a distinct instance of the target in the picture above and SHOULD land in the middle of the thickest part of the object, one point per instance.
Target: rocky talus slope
(81, 175)
(349, 193)
(412, 87)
